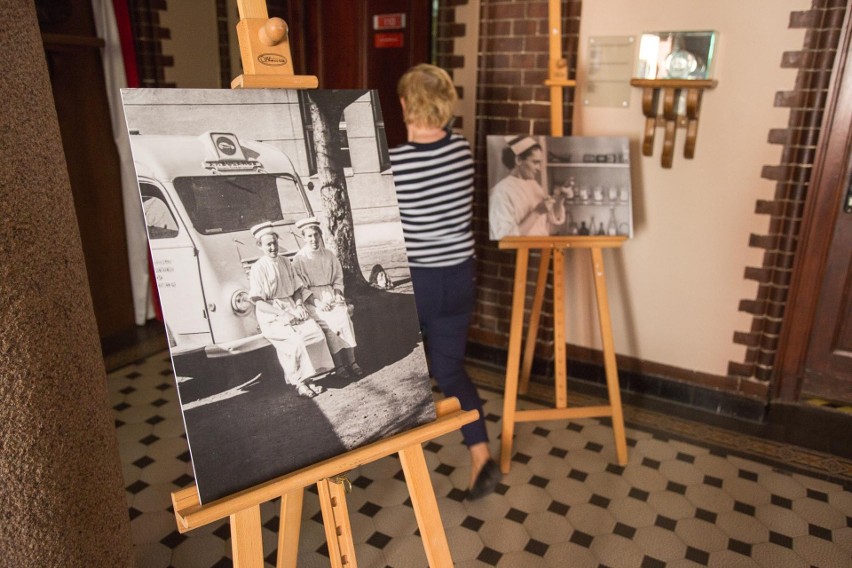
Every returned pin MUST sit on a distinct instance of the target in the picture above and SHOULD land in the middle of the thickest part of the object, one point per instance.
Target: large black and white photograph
(558, 186)
(281, 270)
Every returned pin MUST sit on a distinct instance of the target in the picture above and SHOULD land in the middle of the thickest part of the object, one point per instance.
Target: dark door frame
(821, 210)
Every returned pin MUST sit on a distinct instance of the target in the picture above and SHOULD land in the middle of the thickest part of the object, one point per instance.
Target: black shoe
(355, 369)
(486, 481)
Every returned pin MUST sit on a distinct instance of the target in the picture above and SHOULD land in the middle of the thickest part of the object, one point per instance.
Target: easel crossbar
(190, 514)
(526, 243)
(562, 413)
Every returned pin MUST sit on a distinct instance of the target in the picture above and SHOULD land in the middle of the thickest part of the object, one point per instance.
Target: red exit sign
(388, 21)
(385, 40)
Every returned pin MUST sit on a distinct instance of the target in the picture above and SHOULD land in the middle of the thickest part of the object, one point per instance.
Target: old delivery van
(200, 196)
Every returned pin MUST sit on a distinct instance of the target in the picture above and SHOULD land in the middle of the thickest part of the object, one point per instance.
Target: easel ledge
(513, 243)
(191, 514)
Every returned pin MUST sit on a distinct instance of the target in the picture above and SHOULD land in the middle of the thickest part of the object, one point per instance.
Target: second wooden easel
(265, 52)
(518, 371)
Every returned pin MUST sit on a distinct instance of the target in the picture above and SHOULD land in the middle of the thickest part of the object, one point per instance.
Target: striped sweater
(434, 186)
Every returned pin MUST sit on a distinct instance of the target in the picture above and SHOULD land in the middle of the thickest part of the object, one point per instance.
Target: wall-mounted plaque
(608, 68)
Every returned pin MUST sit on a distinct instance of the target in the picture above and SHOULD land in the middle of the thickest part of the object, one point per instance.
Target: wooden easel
(243, 508)
(265, 52)
(517, 371)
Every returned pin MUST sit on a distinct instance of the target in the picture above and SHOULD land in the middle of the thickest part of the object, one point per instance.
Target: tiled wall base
(822, 428)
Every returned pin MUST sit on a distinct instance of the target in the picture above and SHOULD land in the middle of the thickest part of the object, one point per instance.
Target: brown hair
(429, 96)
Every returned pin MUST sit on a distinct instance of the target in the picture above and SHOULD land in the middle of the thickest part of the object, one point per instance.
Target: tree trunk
(326, 108)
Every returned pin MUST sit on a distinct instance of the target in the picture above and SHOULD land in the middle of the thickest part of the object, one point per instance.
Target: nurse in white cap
(279, 297)
(517, 204)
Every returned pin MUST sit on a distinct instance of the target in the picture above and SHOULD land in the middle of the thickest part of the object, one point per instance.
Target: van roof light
(227, 153)
(226, 147)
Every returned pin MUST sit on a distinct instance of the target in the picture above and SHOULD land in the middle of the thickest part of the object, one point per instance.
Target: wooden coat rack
(265, 52)
(670, 119)
(517, 370)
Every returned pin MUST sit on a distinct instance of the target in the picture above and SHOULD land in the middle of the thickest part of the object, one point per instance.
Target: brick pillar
(62, 501)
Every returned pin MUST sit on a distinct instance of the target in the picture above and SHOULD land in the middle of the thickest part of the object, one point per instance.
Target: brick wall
(223, 33)
(447, 29)
(806, 102)
(148, 35)
(511, 99)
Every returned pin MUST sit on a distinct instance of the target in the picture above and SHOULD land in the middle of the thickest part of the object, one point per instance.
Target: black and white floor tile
(679, 502)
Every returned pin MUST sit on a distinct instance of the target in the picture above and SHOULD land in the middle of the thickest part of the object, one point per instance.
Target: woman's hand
(542, 207)
(300, 312)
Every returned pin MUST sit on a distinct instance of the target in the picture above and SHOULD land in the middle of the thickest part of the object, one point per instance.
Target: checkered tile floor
(677, 503)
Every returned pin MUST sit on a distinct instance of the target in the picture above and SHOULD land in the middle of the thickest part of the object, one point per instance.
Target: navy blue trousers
(445, 299)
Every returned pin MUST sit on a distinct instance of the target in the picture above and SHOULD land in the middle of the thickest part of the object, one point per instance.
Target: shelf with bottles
(604, 193)
(594, 221)
(557, 159)
(587, 165)
(600, 206)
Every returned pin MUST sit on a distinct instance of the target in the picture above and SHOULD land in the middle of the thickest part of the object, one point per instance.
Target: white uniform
(322, 274)
(301, 347)
(510, 201)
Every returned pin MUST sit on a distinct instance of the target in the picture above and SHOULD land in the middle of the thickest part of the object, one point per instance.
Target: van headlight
(241, 303)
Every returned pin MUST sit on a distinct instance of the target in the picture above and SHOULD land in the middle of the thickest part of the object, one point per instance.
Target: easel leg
(535, 318)
(559, 376)
(425, 506)
(289, 528)
(335, 518)
(609, 357)
(247, 538)
(510, 396)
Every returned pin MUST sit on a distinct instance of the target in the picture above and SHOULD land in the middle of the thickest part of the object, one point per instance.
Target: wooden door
(362, 44)
(817, 339)
(76, 75)
(828, 366)
(391, 50)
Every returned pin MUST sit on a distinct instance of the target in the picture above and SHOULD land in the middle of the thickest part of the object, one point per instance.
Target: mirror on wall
(676, 55)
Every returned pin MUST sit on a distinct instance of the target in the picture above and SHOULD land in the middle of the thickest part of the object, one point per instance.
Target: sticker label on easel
(388, 21)
(385, 40)
(272, 59)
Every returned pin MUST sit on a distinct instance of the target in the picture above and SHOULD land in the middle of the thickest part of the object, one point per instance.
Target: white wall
(674, 289)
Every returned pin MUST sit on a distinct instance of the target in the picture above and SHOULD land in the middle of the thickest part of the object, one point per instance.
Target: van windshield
(224, 204)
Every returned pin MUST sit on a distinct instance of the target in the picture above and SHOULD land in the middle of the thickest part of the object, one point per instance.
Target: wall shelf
(671, 93)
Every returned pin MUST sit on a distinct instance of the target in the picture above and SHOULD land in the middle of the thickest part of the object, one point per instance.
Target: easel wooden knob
(273, 32)
(265, 51)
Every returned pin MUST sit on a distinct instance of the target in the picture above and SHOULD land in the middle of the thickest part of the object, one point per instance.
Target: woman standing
(433, 174)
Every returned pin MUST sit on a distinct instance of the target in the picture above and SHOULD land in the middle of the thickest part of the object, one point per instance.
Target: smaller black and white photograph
(558, 186)
(281, 269)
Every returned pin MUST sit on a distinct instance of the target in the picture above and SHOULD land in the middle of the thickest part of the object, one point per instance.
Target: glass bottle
(572, 225)
(569, 189)
(612, 225)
